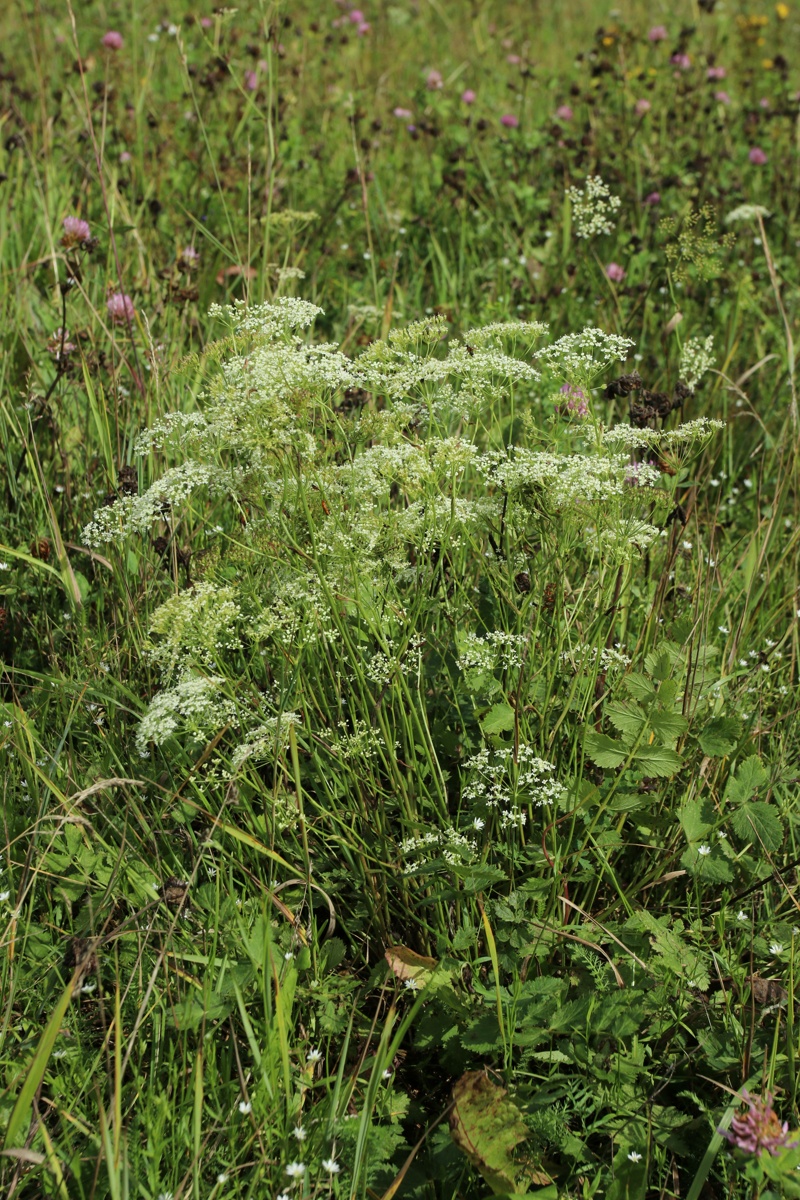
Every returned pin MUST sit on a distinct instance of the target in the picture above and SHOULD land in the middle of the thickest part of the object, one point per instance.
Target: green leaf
(658, 760)
(639, 686)
(667, 693)
(720, 736)
(697, 819)
(758, 822)
(499, 719)
(712, 868)
(748, 779)
(603, 750)
(628, 720)
(668, 726)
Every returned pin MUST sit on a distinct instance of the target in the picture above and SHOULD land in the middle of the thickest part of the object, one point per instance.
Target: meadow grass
(399, 600)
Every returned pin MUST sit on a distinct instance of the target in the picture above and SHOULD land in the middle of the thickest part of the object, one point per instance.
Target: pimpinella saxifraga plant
(407, 580)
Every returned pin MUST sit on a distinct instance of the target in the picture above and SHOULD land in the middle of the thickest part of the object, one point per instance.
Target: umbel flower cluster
(346, 480)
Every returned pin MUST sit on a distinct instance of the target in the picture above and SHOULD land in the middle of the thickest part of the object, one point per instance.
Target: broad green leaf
(499, 719)
(748, 779)
(658, 760)
(628, 720)
(712, 868)
(603, 750)
(758, 822)
(667, 693)
(697, 819)
(639, 686)
(668, 726)
(720, 735)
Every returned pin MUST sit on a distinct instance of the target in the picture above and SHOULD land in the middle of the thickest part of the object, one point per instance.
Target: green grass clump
(399, 601)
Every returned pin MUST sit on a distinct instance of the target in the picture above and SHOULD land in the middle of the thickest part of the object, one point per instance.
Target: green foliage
(398, 614)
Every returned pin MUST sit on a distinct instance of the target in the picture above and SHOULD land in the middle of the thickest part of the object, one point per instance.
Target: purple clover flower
(759, 1129)
(76, 232)
(120, 308)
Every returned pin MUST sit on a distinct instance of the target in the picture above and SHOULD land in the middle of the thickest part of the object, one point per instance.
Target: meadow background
(400, 743)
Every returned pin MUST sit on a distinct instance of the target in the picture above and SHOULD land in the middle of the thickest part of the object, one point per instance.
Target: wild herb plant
(398, 602)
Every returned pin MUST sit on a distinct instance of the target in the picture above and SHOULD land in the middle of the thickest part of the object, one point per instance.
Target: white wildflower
(696, 359)
(593, 208)
(747, 212)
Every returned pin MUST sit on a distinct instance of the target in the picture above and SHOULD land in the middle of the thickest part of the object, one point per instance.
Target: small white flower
(686, 545)
(776, 948)
(282, 1196)
(296, 1170)
(4, 896)
(300, 1133)
(222, 1177)
(330, 1165)
(314, 1056)
(413, 985)
(723, 629)
(165, 1196)
(386, 1073)
(741, 916)
(88, 988)
(245, 1107)
(704, 850)
(478, 823)
(4, 566)
(288, 956)
(635, 1156)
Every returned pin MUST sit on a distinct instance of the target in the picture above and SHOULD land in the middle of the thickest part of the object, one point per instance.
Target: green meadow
(399, 600)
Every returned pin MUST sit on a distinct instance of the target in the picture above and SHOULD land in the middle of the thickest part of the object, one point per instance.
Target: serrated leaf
(667, 693)
(639, 686)
(748, 779)
(712, 867)
(488, 1127)
(628, 720)
(720, 735)
(659, 761)
(603, 750)
(697, 819)
(668, 726)
(499, 719)
(658, 664)
(758, 822)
